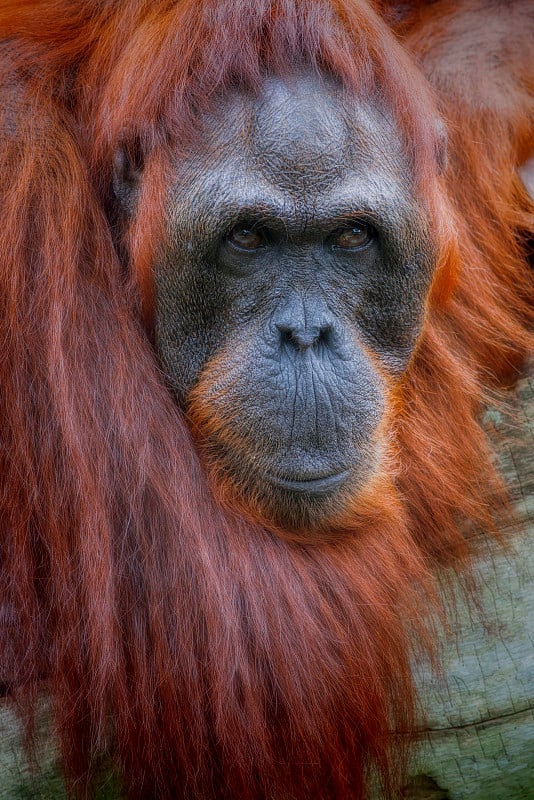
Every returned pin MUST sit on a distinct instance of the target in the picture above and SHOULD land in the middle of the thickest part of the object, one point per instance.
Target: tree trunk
(479, 715)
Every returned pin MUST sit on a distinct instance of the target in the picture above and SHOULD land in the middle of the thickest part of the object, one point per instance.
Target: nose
(303, 337)
(304, 323)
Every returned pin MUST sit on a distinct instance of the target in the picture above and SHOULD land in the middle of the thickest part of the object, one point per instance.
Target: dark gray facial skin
(292, 291)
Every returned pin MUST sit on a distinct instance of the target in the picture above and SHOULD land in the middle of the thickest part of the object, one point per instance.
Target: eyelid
(342, 223)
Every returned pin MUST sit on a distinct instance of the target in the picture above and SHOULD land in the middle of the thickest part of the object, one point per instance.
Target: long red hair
(211, 657)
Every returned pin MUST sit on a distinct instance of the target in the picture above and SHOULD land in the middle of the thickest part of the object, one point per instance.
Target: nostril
(325, 334)
(286, 333)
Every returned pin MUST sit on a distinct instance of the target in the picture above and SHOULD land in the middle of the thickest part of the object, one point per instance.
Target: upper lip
(316, 484)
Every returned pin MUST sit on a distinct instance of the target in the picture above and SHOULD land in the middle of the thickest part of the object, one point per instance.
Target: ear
(526, 174)
(128, 165)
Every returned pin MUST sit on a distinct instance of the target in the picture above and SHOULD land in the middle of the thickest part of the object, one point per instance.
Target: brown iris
(246, 238)
(352, 237)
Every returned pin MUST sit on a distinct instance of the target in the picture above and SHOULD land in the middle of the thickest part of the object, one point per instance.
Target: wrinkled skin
(292, 293)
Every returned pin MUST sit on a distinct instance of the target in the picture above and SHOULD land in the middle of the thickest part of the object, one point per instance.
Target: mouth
(318, 485)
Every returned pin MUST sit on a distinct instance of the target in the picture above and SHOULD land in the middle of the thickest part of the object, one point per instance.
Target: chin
(313, 504)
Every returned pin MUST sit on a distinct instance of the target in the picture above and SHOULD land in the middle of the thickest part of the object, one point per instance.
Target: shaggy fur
(212, 657)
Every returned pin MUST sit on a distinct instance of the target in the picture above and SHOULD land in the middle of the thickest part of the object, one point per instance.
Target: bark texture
(479, 728)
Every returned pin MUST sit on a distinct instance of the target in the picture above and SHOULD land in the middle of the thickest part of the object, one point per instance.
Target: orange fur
(211, 657)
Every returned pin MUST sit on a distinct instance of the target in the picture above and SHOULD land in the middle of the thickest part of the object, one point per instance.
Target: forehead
(298, 127)
(302, 142)
(306, 127)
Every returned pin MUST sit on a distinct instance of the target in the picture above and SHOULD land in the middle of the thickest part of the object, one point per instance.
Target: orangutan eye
(245, 238)
(353, 237)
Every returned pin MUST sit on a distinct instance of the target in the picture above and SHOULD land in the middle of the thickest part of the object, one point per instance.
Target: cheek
(190, 322)
(391, 316)
(392, 303)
